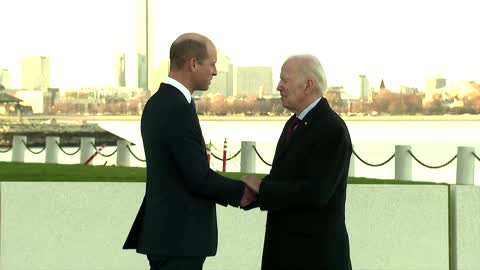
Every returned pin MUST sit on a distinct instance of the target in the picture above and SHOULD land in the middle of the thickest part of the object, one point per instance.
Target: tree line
(384, 102)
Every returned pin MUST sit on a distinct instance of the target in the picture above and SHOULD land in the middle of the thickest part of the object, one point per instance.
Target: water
(433, 142)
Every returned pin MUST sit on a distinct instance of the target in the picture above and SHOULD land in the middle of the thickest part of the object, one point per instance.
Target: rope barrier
(230, 158)
(100, 153)
(431, 167)
(258, 154)
(478, 158)
(8, 149)
(68, 154)
(130, 150)
(31, 151)
(371, 164)
(217, 158)
(108, 155)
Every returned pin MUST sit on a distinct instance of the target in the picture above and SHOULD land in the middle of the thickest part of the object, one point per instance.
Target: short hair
(311, 67)
(184, 49)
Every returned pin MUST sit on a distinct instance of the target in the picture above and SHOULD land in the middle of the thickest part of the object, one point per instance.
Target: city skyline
(402, 42)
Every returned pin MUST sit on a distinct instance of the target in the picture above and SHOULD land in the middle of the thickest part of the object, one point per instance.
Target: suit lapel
(302, 128)
(188, 106)
(282, 144)
(198, 126)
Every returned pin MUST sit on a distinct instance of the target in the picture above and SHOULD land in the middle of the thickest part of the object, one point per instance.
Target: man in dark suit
(305, 191)
(176, 226)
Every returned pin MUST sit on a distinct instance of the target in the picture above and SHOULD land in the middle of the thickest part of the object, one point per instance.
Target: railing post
(248, 158)
(351, 168)
(86, 148)
(224, 162)
(123, 156)
(51, 155)
(465, 165)
(18, 148)
(403, 162)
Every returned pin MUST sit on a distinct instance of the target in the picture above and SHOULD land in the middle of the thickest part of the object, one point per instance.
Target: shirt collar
(180, 87)
(308, 109)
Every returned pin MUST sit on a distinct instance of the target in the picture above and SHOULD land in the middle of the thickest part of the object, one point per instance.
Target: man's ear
(192, 64)
(309, 85)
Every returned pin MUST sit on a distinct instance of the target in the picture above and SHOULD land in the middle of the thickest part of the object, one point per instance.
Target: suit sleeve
(188, 150)
(325, 169)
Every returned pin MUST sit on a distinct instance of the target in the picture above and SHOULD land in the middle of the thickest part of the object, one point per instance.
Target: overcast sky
(400, 41)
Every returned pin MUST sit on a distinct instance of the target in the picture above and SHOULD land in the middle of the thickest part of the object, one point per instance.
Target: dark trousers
(175, 263)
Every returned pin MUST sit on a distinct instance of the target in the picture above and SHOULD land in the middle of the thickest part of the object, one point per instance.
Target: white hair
(311, 67)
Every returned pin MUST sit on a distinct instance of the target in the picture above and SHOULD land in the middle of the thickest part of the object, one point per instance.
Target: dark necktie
(192, 103)
(292, 127)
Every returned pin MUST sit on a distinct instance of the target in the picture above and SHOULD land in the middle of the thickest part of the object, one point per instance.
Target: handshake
(252, 185)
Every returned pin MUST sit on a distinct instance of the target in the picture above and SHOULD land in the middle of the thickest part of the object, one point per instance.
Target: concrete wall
(398, 226)
(83, 226)
(465, 227)
(60, 226)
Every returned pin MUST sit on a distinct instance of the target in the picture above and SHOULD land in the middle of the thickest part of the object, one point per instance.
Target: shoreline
(69, 134)
(88, 118)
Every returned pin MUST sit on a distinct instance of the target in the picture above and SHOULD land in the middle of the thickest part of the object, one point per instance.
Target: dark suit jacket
(178, 213)
(305, 194)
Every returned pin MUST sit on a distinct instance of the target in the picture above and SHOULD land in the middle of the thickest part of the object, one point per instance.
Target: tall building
(143, 24)
(35, 73)
(435, 83)
(223, 83)
(5, 78)
(158, 75)
(254, 81)
(121, 79)
(142, 71)
(365, 93)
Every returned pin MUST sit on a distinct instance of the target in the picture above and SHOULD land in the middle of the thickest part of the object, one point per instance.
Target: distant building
(224, 82)
(142, 71)
(50, 98)
(365, 91)
(408, 90)
(435, 83)
(33, 98)
(35, 73)
(5, 77)
(218, 85)
(8, 103)
(382, 84)
(159, 75)
(120, 70)
(254, 81)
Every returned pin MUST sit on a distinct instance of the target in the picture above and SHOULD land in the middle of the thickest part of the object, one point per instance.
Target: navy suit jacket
(305, 195)
(177, 216)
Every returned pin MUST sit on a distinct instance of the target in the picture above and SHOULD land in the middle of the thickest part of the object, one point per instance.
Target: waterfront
(87, 117)
(433, 142)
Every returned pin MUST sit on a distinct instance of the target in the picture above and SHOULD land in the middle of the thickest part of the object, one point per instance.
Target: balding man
(176, 226)
(305, 191)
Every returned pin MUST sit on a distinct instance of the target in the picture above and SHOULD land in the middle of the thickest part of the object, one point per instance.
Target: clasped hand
(252, 185)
